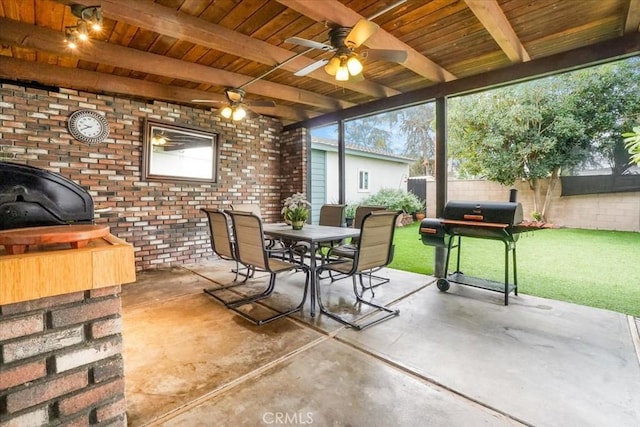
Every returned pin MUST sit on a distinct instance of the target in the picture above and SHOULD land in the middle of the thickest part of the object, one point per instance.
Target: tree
(371, 131)
(528, 131)
(609, 104)
(416, 125)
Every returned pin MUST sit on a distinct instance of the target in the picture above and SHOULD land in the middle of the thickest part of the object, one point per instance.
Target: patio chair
(373, 252)
(254, 208)
(347, 251)
(252, 252)
(361, 212)
(223, 245)
(330, 215)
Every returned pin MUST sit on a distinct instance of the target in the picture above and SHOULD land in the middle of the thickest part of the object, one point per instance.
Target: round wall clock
(88, 126)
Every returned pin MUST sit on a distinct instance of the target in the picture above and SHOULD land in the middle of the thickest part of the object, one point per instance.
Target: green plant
(395, 200)
(350, 210)
(536, 216)
(632, 143)
(296, 208)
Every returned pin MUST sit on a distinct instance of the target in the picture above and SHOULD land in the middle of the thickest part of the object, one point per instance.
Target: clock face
(88, 126)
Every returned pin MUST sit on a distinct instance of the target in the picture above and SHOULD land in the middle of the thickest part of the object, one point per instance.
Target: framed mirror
(178, 153)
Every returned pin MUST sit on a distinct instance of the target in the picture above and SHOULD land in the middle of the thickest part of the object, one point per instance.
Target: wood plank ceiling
(180, 50)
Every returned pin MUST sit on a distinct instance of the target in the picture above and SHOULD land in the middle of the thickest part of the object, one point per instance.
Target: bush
(392, 200)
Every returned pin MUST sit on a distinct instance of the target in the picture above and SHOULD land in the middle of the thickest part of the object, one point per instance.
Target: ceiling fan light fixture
(354, 65)
(342, 75)
(332, 66)
(226, 112)
(239, 113)
(158, 140)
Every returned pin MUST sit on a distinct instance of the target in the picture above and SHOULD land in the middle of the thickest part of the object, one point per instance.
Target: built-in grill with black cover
(32, 197)
(486, 220)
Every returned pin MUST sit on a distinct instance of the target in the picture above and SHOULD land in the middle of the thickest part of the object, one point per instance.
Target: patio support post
(441, 177)
(341, 164)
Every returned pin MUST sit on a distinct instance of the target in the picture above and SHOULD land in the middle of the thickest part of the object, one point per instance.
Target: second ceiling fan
(236, 108)
(346, 63)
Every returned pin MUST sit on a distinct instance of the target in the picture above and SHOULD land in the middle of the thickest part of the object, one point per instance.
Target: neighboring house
(368, 170)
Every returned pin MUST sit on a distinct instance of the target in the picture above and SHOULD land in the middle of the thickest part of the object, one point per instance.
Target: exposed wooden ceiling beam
(632, 23)
(625, 46)
(167, 21)
(52, 75)
(493, 19)
(337, 13)
(24, 35)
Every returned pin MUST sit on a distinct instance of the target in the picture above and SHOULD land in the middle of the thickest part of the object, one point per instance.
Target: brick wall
(60, 360)
(294, 153)
(161, 219)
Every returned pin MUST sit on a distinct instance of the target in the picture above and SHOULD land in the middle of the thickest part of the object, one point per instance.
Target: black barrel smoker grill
(485, 220)
(32, 197)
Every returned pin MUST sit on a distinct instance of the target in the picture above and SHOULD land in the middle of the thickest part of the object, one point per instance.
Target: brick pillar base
(61, 362)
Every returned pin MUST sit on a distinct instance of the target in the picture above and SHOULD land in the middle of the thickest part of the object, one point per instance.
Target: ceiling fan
(236, 108)
(343, 41)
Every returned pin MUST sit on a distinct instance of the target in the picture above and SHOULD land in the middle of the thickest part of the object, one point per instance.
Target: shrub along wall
(161, 219)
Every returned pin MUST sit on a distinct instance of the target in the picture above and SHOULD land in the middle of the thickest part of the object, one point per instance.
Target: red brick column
(61, 362)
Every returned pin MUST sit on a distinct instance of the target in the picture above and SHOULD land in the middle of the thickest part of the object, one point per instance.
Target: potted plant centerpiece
(296, 210)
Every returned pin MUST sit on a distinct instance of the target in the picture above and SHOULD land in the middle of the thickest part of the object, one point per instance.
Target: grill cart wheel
(443, 285)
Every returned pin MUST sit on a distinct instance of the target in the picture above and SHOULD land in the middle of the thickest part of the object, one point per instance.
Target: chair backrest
(362, 211)
(220, 233)
(250, 247)
(376, 240)
(332, 215)
(254, 208)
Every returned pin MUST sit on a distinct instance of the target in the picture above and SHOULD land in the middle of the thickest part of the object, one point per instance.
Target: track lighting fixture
(89, 20)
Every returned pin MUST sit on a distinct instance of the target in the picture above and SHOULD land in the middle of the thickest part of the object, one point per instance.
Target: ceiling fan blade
(215, 101)
(261, 103)
(252, 114)
(360, 32)
(309, 43)
(310, 68)
(389, 55)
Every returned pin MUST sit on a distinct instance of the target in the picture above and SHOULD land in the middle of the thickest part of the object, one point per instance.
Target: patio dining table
(312, 234)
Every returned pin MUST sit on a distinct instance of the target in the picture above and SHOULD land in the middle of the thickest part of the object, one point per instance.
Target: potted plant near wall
(350, 214)
(296, 210)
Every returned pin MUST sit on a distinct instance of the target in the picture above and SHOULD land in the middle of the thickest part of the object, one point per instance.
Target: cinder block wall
(161, 219)
(60, 360)
(617, 211)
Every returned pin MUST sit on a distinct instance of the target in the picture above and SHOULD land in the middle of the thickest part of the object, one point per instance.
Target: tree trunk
(553, 180)
(534, 185)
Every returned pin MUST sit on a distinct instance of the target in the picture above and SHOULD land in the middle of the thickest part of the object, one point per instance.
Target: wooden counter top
(51, 270)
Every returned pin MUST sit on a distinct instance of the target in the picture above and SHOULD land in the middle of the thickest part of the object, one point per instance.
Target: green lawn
(588, 267)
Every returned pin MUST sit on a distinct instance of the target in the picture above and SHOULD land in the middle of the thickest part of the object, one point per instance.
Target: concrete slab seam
(424, 378)
(161, 419)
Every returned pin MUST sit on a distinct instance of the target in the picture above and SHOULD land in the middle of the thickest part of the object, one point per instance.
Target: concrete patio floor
(459, 358)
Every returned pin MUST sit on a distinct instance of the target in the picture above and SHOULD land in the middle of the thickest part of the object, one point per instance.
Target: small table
(17, 240)
(312, 234)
